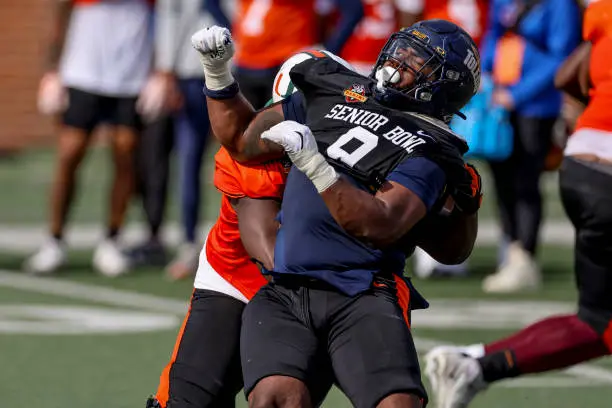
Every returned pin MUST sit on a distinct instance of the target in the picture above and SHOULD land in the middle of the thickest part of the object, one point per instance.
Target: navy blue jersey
(311, 243)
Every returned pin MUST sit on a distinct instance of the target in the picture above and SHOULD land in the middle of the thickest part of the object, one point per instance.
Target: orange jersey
(224, 249)
(471, 15)
(372, 32)
(267, 32)
(597, 29)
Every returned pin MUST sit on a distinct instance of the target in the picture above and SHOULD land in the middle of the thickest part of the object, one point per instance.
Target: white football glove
(301, 147)
(216, 49)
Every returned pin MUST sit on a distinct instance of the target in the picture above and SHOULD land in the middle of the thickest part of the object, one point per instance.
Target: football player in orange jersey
(585, 177)
(205, 369)
(267, 32)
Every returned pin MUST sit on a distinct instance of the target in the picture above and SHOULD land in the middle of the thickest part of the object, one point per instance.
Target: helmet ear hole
(425, 95)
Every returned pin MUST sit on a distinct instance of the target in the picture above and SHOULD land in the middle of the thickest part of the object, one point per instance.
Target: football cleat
(455, 377)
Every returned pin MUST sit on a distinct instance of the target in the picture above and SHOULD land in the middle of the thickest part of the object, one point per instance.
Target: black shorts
(587, 199)
(296, 327)
(205, 368)
(87, 110)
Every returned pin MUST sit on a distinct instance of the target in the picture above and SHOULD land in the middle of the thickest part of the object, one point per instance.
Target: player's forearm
(229, 118)
(62, 10)
(234, 121)
(238, 128)
(450, 240)
(366, 217)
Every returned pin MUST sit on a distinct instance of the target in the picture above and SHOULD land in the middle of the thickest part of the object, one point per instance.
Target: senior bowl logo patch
(356, 93)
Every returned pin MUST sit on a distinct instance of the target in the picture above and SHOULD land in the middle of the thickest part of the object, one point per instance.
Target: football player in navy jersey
(376, 172)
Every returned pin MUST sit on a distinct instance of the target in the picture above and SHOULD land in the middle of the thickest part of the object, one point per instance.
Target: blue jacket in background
(551, 31)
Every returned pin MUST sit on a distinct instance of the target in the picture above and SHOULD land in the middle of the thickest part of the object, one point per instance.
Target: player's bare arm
(258, 227)
(234, 122)
(380, 219)
(237, 126)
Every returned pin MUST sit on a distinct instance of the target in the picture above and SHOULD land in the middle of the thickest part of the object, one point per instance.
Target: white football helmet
(283, 87)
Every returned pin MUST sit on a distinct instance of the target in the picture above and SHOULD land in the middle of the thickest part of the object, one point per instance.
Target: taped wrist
(217, 75)
(318, 170)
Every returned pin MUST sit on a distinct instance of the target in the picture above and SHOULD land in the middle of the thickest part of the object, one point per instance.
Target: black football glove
(468, 193)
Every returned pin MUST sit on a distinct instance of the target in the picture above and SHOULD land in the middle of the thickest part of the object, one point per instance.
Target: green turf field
(81, 340)
(26, 180)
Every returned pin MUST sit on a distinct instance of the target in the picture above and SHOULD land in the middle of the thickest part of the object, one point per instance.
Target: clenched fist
(216, 49)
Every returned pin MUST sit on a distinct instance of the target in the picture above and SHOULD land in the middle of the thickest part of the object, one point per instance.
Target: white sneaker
(109, 260)
(520, 272)
(455, 377)
(185, 263)
(50, 256)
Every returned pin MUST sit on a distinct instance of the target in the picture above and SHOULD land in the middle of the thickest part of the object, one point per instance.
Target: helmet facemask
(409, 67)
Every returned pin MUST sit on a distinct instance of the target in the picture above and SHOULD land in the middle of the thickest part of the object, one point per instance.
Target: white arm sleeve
(167, 17)
(410, 6)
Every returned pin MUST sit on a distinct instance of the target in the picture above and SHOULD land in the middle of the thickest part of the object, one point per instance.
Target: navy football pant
(306, 329)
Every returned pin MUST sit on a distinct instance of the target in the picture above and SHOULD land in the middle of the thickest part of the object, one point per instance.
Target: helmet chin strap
(386, 75)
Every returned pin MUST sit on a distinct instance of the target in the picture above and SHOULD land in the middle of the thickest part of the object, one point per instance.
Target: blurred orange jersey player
(597, 28)
(471, 15)
(379, 22)
(267, 32)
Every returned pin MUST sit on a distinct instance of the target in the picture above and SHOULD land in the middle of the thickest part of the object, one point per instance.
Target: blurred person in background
(457, 374)
(182, 116)
(267, 32)
(99, 60)
(526, 42)
(471, 15)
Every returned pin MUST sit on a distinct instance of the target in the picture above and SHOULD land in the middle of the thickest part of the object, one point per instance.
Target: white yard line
(587, 375)
(91, 293)
(591, 372)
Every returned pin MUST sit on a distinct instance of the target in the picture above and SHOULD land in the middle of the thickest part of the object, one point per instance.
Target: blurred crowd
(128, 64)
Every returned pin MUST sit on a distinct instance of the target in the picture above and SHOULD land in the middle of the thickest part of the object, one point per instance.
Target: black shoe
(151, 253)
